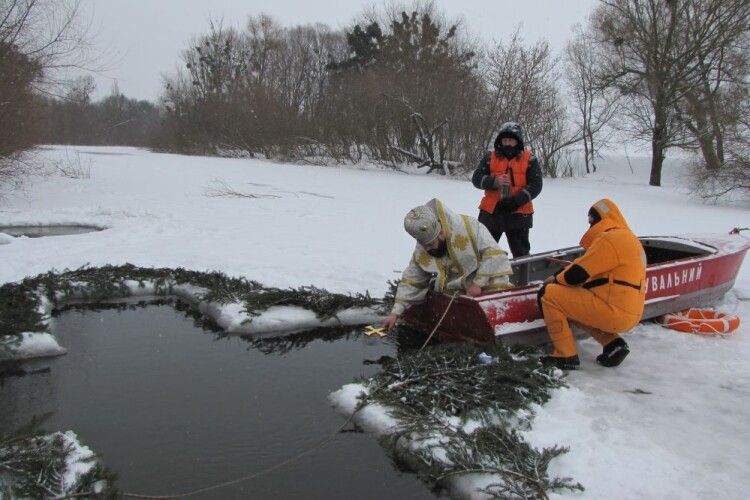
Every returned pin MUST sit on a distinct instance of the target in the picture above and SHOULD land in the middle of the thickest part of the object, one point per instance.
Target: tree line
(399, 87)
(114, 120)
(407, 85)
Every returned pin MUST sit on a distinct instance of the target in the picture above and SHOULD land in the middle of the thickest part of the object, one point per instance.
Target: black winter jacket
(509, 220)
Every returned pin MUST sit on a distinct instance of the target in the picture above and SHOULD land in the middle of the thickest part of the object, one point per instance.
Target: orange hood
(611, 218)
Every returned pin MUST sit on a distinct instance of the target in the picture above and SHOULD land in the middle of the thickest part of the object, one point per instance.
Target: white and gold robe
(472, 257)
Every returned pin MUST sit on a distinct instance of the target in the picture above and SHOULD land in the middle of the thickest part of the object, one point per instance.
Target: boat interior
(537, 267)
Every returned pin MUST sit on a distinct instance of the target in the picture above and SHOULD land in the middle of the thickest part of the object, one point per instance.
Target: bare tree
(265, 42)
(642, 60)
(651, 51)
(711, 108)
(17, 103)
(112, 120)
(52, 33)
(734, 174)
(308, 91)
(551, 136)
(522, 87)
(257, 90)
(431, 145)
(38, 39)
(596, 106)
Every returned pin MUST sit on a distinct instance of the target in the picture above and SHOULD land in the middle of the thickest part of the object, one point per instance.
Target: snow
(35, 345)
(289, 318)
(684, 439)
(508, 328)
(340, 228)
(79, 461)
(373, 418)
(231, 317)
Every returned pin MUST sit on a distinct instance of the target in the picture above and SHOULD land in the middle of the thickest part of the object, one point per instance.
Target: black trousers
(518, 238)
(518, 241)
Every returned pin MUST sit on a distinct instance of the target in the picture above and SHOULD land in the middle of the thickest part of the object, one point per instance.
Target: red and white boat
(682, 272)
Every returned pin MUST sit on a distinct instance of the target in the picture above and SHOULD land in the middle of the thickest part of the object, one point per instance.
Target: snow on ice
(36, 345)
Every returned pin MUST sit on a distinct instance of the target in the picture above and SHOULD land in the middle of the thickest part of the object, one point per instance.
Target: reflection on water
(172, 408)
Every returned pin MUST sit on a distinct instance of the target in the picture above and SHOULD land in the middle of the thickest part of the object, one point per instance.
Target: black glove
(508, 204)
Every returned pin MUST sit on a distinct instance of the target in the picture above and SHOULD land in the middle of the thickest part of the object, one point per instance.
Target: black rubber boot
(613, 353)
(569, 363)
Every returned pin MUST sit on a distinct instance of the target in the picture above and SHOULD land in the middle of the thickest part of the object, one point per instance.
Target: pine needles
(460, 417)
(35, 465)
(20, 307)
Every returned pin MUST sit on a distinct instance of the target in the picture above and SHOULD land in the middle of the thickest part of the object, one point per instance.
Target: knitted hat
(422, 224)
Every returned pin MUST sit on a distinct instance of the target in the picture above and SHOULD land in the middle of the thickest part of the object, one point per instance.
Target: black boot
(613, 353)
(569, 363)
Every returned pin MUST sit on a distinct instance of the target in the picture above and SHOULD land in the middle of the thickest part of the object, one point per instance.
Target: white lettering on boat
(671, 279)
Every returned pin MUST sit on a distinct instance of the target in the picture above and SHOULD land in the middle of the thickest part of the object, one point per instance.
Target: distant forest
(402, 85)
(114, 120)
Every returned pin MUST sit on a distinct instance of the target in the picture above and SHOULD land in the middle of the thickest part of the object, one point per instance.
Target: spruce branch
(426, 390)
(34, 465)
(20, 306)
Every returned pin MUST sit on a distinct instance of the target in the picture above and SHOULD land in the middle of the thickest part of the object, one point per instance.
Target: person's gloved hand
(500, 181)
(508, 204)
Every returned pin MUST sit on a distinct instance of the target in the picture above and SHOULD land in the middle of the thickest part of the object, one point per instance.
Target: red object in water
(682, 272)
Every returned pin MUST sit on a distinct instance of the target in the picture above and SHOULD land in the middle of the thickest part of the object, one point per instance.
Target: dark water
(42, 231)
(172, 408)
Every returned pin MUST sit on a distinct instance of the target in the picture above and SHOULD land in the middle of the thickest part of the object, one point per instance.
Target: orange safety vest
(516, 167)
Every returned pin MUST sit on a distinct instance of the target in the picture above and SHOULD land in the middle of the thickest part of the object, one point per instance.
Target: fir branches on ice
(38, 465)
(20, 302)
(460, 417)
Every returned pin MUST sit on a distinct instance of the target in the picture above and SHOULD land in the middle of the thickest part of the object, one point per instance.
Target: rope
(439, 321)
(293, 458)
(250, 476)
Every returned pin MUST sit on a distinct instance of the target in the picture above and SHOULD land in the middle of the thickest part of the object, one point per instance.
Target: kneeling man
(603, 290)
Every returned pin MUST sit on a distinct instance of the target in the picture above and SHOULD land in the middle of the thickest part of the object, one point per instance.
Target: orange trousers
(564, 304)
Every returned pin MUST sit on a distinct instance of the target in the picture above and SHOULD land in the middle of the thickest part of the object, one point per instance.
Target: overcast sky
(143, 39)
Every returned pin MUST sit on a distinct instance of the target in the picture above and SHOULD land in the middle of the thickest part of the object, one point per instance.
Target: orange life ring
(703, 321)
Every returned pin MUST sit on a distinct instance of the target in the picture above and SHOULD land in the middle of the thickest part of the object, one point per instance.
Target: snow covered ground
(341, 229)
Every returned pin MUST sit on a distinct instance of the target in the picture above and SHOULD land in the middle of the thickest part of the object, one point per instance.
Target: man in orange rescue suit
(511, 177)
(603, 290)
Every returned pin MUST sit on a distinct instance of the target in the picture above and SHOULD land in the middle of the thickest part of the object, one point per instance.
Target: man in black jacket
(510, 177)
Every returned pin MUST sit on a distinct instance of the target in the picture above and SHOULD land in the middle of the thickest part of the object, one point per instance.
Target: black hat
(510, 129)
